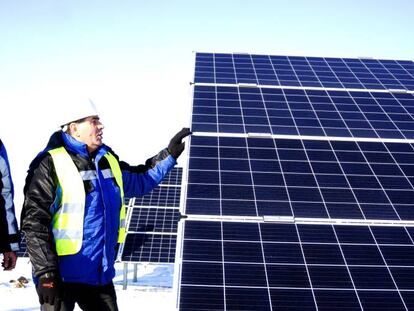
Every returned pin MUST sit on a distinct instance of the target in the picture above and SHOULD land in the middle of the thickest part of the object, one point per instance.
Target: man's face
(89, 131)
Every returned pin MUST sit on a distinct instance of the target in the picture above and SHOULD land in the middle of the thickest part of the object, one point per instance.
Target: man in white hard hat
(73, 213)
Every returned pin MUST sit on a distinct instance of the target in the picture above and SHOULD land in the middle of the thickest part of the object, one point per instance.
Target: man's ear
(73, 129)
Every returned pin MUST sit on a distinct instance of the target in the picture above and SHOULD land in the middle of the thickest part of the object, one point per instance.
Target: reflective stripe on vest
(68, 220)
(116, 170)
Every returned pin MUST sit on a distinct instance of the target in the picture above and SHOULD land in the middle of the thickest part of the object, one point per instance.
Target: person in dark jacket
(9, 234)
(73, 213)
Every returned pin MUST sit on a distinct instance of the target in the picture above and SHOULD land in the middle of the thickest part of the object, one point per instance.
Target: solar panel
(300, 178)
(299, 192)
(152, 223)
(260, 266)
(339, 113)
(350, 73)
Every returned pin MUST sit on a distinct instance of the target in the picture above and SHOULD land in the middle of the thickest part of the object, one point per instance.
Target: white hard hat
(76, 109)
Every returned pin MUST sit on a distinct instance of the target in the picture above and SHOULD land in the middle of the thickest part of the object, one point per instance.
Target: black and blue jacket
(9, 234)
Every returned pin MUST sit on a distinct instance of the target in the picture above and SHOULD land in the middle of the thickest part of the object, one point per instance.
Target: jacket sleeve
(141, 179)
(9, 234)
(36, 217)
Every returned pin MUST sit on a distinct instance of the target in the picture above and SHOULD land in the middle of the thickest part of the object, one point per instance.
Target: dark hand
(176, 146)
(49, 289)
(9, 260)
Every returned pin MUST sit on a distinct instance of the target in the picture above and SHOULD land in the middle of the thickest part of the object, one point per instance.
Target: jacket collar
(61, 139)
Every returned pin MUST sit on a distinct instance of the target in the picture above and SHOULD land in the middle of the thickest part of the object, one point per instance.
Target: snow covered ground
(152, 290)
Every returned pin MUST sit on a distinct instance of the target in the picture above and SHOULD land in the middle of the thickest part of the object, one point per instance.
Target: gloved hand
(176, 146)
(9, 260)
(49, 289)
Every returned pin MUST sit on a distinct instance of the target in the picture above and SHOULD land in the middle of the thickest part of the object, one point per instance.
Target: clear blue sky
(135, 58)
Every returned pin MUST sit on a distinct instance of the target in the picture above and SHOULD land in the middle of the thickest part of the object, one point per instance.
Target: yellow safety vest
(67, 222)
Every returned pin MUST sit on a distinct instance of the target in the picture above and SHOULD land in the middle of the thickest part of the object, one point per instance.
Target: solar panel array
(300, 189)
(152, 223)
(297, 71)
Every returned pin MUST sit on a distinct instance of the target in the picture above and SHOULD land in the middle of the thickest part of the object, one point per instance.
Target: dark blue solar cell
(305, 194)
(351, 156)
(401, 196)
(364, 182)
(388, 182)
(406, 212)
(203, 141)
(378, 157)
(235, 178)
(337, 132)
(391, 235)
(270, 193)
(344, 210)
(326, 168)
(398, 255)
(268, 179)
(196, 298)
(271, 232)
(336, 300)
(202, 206)
(202, 250)
(362, 255)
(235, 192)
(284, 130)
(332, 181)
(379, 211)
(292, 299)
(203, 230)
(241, 231)
(283, 253)
(404, 277)
(273, 208)
(286, 154)
(381, 300)
(203, 191)
(234, 165)
(329, 254)
(305, 180)
(244, 274)
(260, 143)
(317, 233)
(356, 168)
(344, 145)
(239, 207)
(244, 299)
(265, 166)
(404, 158)
(295, 167)
(287, 276)
(354, 234)
(197, 177)
(206, 273)
(371, 278)
(407, 169)
(262, 154)
(330, 277)
(337, 195)
(398, 147)
(309, 209)
(242, 252)
(370, 196)
(233, 153)
(320, 155)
